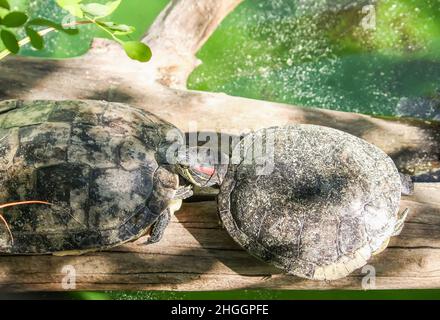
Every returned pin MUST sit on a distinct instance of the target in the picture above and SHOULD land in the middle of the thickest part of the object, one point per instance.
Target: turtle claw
(158, 228)
(146, 243)
(183, 193)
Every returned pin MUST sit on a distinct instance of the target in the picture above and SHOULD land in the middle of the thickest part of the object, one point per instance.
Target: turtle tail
(407, 184)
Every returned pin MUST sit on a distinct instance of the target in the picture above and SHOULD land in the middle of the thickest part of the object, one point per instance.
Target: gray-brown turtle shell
(100, 164)
(331, 200)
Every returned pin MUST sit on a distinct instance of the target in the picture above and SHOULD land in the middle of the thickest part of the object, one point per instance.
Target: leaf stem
(4, 53)
(105, 29)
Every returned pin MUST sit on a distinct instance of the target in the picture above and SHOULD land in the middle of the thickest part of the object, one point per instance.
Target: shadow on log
(197, 254)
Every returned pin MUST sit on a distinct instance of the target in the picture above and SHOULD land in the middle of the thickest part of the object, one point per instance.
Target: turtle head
(202, 166)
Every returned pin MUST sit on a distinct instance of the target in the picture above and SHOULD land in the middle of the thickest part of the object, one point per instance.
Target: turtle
(84, 175)
(317, 204)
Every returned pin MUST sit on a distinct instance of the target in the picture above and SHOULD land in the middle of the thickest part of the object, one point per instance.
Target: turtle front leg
(158, 228)
(183, 192)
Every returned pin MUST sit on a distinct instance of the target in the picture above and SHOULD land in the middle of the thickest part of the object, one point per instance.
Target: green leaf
(118, 29)
(47, 23)
(64, 3)
(14, 19)
(4, 4)
(112, 6)
(73, 6)
(137, 51)
(101, 10)
(10, 41)
(95, 9)
(36, 39)
(3, 12)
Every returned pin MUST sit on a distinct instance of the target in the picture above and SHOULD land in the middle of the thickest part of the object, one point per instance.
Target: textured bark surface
(179, 32)
(196, 254)
(414, 145)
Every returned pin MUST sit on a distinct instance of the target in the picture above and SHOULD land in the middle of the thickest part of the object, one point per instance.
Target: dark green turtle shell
(326, 201)
(100, 164)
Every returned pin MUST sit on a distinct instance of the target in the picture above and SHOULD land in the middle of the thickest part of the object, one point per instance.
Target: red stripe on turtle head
(205, 170)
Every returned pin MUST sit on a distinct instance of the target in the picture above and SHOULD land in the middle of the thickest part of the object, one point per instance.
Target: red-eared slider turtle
(103, 167)
(327, 203)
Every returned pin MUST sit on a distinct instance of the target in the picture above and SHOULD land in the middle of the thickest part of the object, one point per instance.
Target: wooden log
(414, 145)
(179, 32)
(197, 254)
(105, 73)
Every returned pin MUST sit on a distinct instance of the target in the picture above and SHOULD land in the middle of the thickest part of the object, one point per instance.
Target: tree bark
(197, 254)
(178, 33)
(414, 145)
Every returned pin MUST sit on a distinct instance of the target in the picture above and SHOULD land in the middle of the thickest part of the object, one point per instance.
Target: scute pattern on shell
(329, 203)
(98, 163)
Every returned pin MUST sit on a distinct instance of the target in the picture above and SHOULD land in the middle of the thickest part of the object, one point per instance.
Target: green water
(313, 53)
(431, 294)
(316, 54)
(255, 295)
(307, 52)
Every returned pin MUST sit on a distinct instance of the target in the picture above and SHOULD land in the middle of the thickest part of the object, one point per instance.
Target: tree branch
(197, 254)
(178, 33)
(414, 145)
